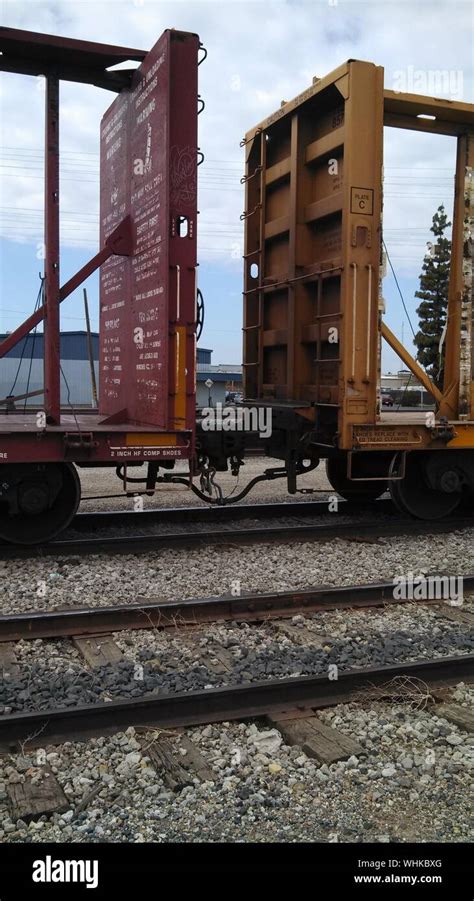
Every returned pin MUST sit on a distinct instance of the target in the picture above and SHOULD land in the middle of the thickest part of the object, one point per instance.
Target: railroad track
(321, 531)
(99, 519)
(150, 614)
(235, 702)
(281, 701)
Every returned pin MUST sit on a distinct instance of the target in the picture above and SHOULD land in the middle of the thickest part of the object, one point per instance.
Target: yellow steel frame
(283, 310)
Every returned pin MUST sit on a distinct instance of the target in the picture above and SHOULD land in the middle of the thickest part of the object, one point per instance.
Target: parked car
(234, 397)
(387, 400)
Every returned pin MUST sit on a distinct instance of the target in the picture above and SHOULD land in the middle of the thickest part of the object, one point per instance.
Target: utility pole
(89, 350)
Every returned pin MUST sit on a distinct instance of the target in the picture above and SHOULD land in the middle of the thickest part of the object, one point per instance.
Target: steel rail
(167, 515)
(164, 614)
(219, 704)
(139, 544)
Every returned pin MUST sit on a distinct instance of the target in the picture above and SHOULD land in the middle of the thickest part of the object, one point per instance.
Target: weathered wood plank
(301, 635)
(460, 716)
(98, 650)
(29, 801)
(168, 764)
(217, 658)
(8, 662)
(214, 656)
(457, 614)
(176, 769)
(317, 740)
(194, 761)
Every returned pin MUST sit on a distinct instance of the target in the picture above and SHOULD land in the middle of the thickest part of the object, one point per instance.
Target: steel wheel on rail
(37, 500)
(413, 494)
(336, 471)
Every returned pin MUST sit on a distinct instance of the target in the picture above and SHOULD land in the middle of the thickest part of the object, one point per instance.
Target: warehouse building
(21, 372)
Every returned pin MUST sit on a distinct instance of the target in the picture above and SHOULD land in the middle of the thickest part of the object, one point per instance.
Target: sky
(259, 53)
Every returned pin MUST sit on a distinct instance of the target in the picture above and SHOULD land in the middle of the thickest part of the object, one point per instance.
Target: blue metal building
(21, 371)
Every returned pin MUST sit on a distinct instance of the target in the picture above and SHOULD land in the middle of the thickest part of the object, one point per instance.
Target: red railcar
(312, 299)
(148, 212)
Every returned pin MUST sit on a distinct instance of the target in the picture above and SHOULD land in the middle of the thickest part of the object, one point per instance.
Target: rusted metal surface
(195, 611)
(219, 704)
(149, 170)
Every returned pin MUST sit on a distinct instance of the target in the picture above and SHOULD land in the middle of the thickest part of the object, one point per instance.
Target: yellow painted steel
(409, 361)
(313, 215)
(464, 436)
(180, 378)
(459, 354)
(150, 439)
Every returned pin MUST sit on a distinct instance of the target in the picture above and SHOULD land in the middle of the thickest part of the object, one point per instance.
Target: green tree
(433, 294)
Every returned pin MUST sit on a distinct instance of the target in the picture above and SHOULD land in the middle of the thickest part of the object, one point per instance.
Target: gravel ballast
(410, 783)
(52, 674)
(411, 780)
(50, 583)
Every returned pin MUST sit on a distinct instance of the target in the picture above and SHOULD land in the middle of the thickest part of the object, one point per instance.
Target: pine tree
(433, 293)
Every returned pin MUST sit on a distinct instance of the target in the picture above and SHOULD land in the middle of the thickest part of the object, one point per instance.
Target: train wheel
(37, 501)
(414, 496)
(336, 471)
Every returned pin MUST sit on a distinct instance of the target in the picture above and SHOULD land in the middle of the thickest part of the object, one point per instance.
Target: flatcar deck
(86, 437)
(70, 422)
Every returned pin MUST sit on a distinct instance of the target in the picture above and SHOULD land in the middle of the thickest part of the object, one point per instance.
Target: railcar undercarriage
(313, 310)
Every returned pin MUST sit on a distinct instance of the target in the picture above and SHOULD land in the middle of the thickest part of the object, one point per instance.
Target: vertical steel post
(89, 349)
(458, 393)
(51, 267)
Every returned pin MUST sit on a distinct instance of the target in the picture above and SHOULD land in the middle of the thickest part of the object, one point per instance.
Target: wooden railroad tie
(315, 738)
(454, 713)
(302, 635)
(177, 769)
(218, 659)
(30, 800)
(98, 650)
(457, 614)
(9, 667)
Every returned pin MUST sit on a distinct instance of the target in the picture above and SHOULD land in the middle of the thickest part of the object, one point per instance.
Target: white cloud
(258, 54)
